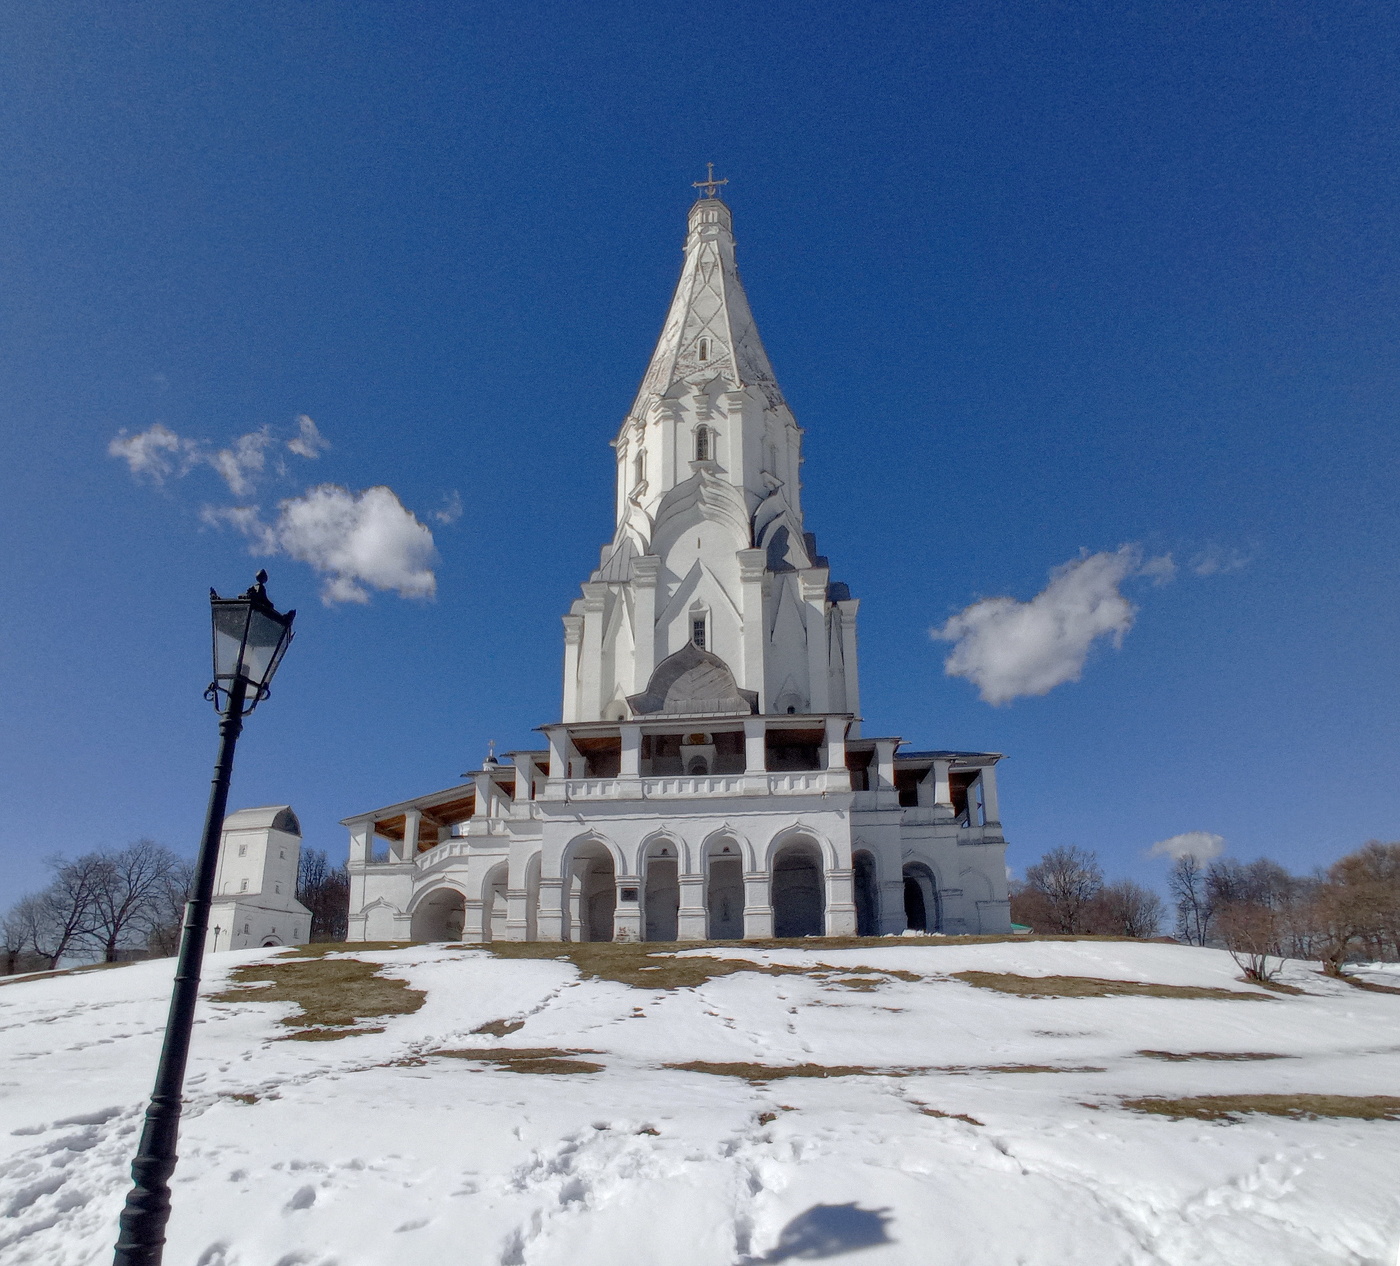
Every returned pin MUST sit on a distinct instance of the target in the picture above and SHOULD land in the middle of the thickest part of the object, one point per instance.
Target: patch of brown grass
(334, 994)
(1089, 987)
(1298, 1107)
(1181, 1057)
(1370, 985)
(1019, 1068)
(777, 1072)
(925, 1110)
(538, 1059)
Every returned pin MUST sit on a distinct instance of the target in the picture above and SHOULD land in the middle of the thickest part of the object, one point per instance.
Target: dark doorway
(867, 896)
(799, 906)
(914, 914)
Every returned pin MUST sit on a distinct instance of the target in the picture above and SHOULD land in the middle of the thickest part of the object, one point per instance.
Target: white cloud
(451, 508)
(354, 539)
(155, 453)
(1008, 648)
(1201, 845)
(240, 463)
(158, 453)
(308, 442)
(1215, 561)
(1160, 570)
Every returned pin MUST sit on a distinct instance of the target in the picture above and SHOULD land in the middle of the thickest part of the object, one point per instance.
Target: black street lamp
(250, 638)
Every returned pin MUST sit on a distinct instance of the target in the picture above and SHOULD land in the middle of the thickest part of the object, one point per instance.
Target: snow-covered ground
(359, 1151)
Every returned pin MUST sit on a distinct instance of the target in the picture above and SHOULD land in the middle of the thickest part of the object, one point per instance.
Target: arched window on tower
(697, 629)
(704, 349)
(639, 469)
(704, 444)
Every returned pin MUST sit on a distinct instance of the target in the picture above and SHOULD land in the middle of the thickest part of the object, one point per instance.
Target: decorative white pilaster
(627, 914)
(595, 596)
(848, 608)
(645, 569)
(573, 637)
(751, 565)
(473, 928)
(813, 586)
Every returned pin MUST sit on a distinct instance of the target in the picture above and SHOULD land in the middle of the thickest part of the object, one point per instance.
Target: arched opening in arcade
(593, 893)
(867, 895)
(439, 916)
(920, 898)
(799, 899)
(661, 893)
(493, 905)
(724, 891)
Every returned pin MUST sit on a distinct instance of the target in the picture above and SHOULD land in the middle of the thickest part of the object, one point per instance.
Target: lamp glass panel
(265, 636)
(230, 623)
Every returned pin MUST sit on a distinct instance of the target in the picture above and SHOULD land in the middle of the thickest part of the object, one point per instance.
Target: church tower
(711, 591)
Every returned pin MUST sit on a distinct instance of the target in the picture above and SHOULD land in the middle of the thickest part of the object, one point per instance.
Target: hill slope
(958, 1124)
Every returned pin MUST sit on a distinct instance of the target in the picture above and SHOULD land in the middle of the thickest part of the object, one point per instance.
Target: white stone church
(709, 778)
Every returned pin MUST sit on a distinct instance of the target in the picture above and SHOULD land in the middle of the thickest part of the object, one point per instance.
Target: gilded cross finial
(710, 184)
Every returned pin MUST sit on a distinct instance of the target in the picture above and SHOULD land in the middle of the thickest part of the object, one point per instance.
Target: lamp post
(250, 638)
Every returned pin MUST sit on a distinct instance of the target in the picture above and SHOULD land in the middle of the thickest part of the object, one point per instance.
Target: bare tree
(166, 911)
(1190, 895)
(1251, 931)
(126, 887)
(325, 891)
(1126, 908)
(64, 918)
(1068, 879)
(21, 931)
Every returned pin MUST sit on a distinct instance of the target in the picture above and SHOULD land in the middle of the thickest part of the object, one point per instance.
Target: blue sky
(1036, 279)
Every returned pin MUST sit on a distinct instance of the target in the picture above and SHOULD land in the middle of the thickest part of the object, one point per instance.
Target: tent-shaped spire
(709, 331)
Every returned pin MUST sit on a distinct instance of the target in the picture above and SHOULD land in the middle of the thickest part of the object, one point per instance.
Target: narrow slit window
(704, 349)
(697, 632)
(639, 469)
(702, 444)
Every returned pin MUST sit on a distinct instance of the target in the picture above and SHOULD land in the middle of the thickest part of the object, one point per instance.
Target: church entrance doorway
(799, 905)
(439, 916)
(724, 892)
(866, 895)
(596, 880)
(661, 906)
(920, 898)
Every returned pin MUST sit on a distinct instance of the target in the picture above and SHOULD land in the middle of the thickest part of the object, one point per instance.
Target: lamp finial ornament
(710, 184)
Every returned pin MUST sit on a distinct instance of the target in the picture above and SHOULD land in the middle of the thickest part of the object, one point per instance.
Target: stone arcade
(709, 779)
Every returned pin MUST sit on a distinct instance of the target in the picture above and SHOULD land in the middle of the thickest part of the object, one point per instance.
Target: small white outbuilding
(255, 886)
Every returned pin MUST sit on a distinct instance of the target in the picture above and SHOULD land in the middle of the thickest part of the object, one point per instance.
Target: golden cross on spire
(711, 184)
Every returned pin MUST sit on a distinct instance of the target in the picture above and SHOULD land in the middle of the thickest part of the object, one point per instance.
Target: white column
(645, 570)
(840, 902)
(692, 918)
(990, 807)
(559, 747)
(524, 777)
(485, 795)
(751, 675)
(758, 910)
(362, 842)
(755, 756)
(627, 915)
(550, 920)
(835, 743)
(573, 636)
(590, 700)
(813, 589)
(884, 764)
(942, 788)
(631, 766)
(412, 820)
